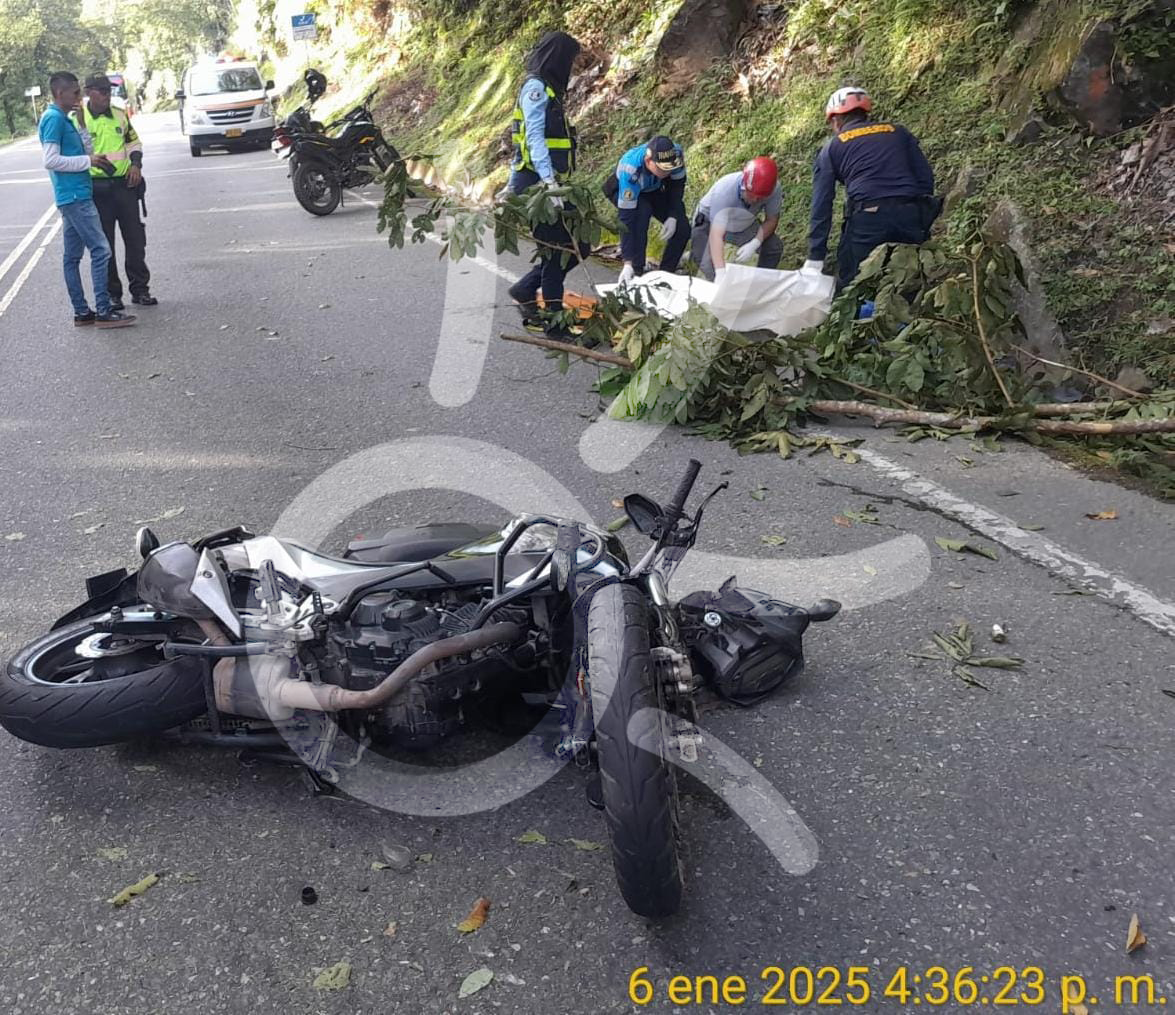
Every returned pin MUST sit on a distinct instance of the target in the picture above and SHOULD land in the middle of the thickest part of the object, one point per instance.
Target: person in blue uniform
(544, 155)
(650, 184)
(889, 186)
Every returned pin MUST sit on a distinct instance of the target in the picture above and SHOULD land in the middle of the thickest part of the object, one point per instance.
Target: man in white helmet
(889, 184)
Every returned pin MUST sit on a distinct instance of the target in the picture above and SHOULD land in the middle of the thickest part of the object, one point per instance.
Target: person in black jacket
(544, 155)
(888, 182)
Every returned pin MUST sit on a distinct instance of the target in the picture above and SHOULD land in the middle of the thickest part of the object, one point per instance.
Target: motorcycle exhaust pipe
(243, 687)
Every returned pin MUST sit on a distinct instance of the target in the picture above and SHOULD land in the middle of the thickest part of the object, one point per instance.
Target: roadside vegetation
(151, 41)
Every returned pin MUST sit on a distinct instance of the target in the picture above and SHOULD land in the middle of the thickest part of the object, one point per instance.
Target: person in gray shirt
(740, 208)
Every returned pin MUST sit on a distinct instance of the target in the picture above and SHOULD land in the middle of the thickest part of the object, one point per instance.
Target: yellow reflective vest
(112, 135)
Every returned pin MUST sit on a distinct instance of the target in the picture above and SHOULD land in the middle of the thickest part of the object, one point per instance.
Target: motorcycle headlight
(198, 117)
(536, 539)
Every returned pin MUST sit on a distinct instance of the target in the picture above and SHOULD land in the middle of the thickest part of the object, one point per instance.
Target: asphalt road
(1019, 826)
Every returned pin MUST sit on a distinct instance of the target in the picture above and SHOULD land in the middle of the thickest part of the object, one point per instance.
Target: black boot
(527, 304)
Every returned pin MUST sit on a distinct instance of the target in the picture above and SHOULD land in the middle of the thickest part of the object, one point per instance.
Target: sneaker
(81, 320)
(116, 304)
(146, 300)
(559, 333)
(114, 319)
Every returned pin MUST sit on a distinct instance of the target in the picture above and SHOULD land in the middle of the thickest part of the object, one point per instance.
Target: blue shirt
(635, 179)
(533, 103)
(873, 160)
(57, 128)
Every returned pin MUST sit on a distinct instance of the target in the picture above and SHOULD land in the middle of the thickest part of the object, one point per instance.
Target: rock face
(1045, 338)
(702, 32)
(1106, 95)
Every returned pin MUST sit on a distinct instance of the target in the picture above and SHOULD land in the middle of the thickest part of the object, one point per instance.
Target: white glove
(555, 199)
(668, 228)
(627, 274)
(813, 268)
(747, 251)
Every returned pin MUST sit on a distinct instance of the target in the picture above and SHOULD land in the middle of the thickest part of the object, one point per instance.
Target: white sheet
(747, 299)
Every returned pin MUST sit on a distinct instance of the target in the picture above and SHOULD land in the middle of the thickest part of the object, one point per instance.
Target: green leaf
(759, 493)
(961, 546)
(773, 540)
(336, 977)
(120, 899)
(618, 523)
(996, 662)
(915, 376)
(585, 845)
(532, 837)
(475, 981)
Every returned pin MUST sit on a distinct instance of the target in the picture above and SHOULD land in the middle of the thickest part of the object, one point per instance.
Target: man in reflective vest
(544, 155)
(117, 191)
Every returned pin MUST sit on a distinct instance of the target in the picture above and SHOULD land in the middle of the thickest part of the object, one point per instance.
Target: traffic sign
(32, 92)
(303, 26)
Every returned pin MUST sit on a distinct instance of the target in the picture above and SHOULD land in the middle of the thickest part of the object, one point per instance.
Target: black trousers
(662, 206)
(549, 272)
(888, 220)
(118, 205)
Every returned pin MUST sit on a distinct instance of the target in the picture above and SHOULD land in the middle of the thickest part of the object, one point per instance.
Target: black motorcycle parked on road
(322, 163)
(409, 639)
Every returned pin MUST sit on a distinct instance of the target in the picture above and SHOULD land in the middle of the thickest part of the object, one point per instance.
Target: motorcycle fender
(113, 588)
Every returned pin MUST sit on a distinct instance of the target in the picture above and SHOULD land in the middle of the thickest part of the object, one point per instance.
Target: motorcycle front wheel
(314, 189)
(636, 778)
(49, 695)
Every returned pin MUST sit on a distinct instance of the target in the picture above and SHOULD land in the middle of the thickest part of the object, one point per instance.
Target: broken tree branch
(1077, 370)
(570, 349)
(983, 335)
(882, 415)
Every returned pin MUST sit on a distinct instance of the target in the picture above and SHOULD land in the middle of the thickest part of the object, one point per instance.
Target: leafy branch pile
(943, 350)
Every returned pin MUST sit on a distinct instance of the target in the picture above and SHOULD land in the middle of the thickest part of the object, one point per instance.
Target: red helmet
(759, 177)
(844, 100)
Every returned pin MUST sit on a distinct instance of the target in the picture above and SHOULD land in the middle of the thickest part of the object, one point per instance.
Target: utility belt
(929, 204)
(108, 183)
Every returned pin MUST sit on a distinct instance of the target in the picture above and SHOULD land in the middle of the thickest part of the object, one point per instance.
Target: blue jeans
(83, 230)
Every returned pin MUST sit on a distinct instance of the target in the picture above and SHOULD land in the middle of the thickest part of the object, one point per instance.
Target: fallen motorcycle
(407, 640)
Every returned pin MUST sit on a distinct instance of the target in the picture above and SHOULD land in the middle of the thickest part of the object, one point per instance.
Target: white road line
(1032, 547)
(27, 270)
(20, 248)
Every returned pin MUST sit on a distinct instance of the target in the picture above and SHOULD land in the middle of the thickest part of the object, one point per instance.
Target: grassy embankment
(956, 73)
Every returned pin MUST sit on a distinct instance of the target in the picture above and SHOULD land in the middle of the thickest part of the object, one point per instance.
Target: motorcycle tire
(107, 710)
(639, 792)
(316, 199)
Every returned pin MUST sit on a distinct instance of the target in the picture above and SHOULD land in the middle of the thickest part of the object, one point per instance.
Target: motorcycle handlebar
(681, 494)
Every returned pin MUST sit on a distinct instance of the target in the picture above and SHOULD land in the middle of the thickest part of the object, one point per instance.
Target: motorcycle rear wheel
(315, 191)
(50, 696)
(639, 791)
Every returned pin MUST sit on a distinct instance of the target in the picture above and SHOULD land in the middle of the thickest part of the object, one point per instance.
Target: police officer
(650, 184)
(117, 191)
(741, 208)
(544, 154)
(889, 185)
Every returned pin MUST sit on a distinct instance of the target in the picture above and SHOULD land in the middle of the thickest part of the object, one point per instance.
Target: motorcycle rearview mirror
(825, 609)
(646, 514)
(146, 542)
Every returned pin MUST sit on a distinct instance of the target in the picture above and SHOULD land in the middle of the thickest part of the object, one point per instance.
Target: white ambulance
(225, 104)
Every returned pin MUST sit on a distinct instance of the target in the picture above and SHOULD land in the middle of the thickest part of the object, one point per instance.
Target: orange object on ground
(584, 306)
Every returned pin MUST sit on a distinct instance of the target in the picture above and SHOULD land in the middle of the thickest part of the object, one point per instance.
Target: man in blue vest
(650, 184)
(117, 194)
(544, 155)
(64, 154)
(889, 185)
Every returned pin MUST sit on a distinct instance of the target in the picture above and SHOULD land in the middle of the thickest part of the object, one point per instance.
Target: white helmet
(843, 100)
